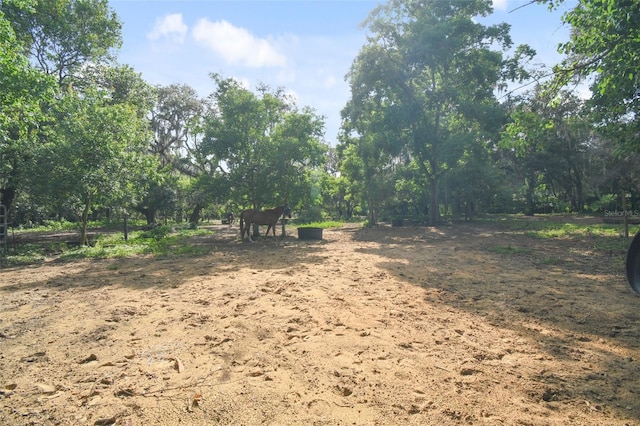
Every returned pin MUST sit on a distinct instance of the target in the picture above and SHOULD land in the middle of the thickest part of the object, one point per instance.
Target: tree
(175, 121)
(546, 140)
(430, 71)
(349, 184)
(477, 183)
(160, 194)
(64, 36)
(261, 143)
(97, 150)
(149, 186)
(362, 164)
(43, 41)
(605, 46)
(23, 100)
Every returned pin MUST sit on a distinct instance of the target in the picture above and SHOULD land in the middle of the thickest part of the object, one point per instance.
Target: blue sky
(304, 46)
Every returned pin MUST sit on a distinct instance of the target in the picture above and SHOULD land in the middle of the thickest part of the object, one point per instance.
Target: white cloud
(169, 27)
(500, 4)
(237, 45)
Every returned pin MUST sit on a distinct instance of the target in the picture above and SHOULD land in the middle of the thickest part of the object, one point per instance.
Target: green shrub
(157, 233)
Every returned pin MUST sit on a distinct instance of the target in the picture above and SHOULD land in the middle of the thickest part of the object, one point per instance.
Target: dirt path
(387, 326)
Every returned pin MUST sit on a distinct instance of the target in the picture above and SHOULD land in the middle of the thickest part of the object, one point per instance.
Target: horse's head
(287, 211)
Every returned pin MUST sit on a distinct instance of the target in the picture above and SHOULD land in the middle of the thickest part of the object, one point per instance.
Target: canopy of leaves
(95, 153)
(425, 81)
(605, 45)
(63, 36)
(546, 140)
(263, 143)
(175, 121)
(23, 98)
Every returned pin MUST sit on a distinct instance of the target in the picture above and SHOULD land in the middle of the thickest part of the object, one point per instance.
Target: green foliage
(24, 97)
(97, 149)
(68, 149)
(546, 143)
(268, 146)
(160, 241)
(177, 245)
(424, 85)
(563, 230)
(605, 45)
(312, 214)
(598, 237)
(604, 202)
(63, 36)
(157, 233)
(422, 119)
(550, 227)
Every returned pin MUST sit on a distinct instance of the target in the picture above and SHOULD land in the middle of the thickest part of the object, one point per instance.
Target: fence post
(624, 212)
(4, 229)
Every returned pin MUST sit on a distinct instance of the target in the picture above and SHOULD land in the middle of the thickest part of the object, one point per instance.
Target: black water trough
(309, 233)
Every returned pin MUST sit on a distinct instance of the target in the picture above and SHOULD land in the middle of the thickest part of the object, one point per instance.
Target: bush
(157, 233)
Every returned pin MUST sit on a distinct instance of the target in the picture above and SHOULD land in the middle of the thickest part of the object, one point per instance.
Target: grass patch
(592, 236)
(63, 225)
(160, 241)
(562, 230)
(549, 226)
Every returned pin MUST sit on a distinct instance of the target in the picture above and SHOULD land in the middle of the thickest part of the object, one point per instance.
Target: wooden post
(4, 228)
(626, 216)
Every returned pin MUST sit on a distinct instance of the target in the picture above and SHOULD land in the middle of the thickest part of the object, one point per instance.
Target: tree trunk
(434, 208)
(530, 207)
(84, 240)
(150, 215)
(283, 233)
(7, 196)
(579, 190)
(371, 214)
(8, 193)
(468, 210)
(195, 215)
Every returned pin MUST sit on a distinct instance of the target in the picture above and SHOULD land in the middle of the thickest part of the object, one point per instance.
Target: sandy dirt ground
(465, 324)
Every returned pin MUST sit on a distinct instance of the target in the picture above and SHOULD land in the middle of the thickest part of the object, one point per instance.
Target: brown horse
(262, 217)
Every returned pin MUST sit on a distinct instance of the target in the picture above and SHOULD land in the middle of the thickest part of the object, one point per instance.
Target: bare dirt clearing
(468, 324)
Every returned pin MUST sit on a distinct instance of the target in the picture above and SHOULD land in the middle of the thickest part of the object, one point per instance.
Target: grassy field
(57, 240)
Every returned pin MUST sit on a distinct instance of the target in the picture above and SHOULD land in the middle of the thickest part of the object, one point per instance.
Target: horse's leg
(248, 226)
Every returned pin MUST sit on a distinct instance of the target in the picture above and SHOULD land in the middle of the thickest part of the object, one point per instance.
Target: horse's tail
(242, 225)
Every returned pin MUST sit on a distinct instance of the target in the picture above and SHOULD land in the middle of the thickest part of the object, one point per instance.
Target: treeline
(430, 131)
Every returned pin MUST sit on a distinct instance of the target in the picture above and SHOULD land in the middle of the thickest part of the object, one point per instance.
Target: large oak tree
(262, 143)
(425, 82)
